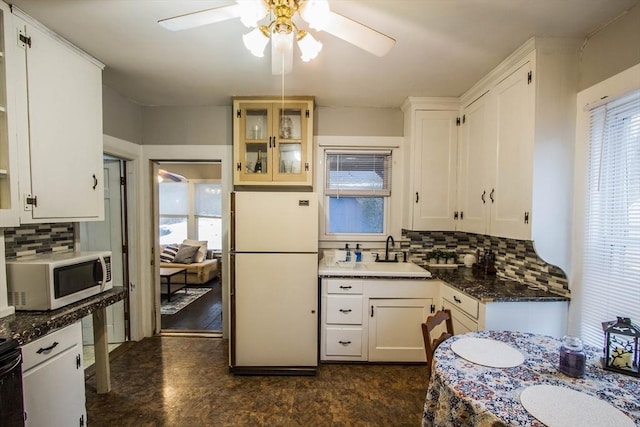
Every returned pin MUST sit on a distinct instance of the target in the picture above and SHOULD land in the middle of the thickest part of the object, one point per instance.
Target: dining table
(466, 393)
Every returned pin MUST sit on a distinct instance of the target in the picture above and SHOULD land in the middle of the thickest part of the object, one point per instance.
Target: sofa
(201, 268)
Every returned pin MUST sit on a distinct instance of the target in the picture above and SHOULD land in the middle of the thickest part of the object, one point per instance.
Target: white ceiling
(442, 47)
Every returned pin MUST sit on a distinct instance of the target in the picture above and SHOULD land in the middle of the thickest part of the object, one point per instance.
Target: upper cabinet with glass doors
(272, 141)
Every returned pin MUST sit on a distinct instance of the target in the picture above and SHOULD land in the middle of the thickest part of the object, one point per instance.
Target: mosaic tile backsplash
(28, 240)
(515, 259)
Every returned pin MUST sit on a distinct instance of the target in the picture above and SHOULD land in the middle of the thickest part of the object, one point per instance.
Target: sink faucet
(386, 249)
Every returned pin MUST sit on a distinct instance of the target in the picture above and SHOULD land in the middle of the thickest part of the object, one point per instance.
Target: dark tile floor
(184, 381)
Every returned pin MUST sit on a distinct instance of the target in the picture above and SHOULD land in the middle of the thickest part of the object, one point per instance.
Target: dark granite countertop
(26, 326)
(492, 288)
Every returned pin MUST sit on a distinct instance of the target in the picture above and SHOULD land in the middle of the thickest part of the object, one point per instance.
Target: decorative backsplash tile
(32, 239)
(515, 259)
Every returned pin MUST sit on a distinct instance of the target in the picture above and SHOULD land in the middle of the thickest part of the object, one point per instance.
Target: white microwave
(49, 282)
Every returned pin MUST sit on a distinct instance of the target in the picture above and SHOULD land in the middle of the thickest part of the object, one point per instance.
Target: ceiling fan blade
(358, 34)
(198, 19)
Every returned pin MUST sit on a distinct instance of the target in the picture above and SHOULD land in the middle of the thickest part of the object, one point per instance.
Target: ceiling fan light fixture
(282, 41)
(309, 46)
(255, 41)
(251, 11)
(315, 13)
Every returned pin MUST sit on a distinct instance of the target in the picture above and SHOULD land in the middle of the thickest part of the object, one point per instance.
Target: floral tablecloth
(462, 393)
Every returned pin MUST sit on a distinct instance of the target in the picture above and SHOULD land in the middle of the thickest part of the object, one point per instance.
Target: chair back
(430, 343)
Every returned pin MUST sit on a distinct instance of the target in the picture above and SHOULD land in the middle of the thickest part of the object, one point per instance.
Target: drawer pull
(345, 342)
(47, 349)
(345, 287)
(345, 311)
(458, 300)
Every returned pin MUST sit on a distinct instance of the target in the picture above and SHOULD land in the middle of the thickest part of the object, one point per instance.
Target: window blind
(611, 259)
(358, 173)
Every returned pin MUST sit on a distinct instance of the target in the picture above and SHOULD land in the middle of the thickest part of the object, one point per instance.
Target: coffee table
(167, 274)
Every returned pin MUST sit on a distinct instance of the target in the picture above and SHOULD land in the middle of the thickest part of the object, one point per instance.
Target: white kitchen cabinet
(430, 155)
(386, 325)
(53, 379)
(528, 120)
(59, 127)
(469, 314)
(9, 212)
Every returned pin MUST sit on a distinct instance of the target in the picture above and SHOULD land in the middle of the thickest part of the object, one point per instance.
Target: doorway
(189, 213)
(110, 235)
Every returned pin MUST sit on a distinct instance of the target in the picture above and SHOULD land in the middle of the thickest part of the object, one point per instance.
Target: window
(191, 210)
(357, 189)
(611, 255)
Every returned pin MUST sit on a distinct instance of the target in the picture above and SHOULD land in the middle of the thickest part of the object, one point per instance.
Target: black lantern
(621, 346)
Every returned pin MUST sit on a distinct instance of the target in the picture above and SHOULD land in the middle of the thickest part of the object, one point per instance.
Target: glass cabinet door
(290, 151)
(255, 141)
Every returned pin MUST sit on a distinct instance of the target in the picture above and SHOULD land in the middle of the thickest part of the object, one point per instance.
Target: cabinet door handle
(371, 311)
(345, 310)
(46, 349)
(491, 195)
(461, 215)
(417, 197)
(95, 181)
(456, 299)
(345, 286)
(344, 342)
(482, 197)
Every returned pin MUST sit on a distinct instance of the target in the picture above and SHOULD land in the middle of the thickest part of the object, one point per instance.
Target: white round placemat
(557, 406)
(487, 352)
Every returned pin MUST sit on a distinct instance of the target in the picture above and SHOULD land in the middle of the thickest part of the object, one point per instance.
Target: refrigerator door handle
(232, 274)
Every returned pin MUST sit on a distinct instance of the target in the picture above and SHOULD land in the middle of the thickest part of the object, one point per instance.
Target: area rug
(180, 300)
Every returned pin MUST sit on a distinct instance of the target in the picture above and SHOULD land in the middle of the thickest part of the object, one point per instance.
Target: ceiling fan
(282, 28)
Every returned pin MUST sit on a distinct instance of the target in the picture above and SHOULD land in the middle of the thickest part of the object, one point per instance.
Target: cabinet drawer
(462, 323)
(344, 286)
(344, 341)
(344, 309)
(460, 300)
(50, 345)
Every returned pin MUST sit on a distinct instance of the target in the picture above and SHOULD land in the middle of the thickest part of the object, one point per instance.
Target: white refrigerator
(274, 283)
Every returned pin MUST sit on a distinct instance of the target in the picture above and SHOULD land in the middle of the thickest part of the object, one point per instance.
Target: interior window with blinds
(357, 188)
(611, 259)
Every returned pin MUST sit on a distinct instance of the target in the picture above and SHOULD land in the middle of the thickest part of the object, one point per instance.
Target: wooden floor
(204, 314)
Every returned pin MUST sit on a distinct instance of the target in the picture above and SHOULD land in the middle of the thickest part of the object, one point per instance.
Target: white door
(65, 128)
(511, 195)
(275, 315)
(107, 235)
(472, 170)
(395, 331)
(434, 167)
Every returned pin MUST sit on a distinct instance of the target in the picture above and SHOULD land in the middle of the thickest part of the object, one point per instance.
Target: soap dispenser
(348, 256)
(358, 253)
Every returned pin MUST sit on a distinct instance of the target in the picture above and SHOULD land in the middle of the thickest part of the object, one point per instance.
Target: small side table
(167, 274)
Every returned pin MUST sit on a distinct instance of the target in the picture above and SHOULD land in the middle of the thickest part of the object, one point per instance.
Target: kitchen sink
(375, 269)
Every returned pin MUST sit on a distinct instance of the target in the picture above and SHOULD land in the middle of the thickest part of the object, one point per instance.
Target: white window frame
(192, 218)
(616, 86)
(392, 206)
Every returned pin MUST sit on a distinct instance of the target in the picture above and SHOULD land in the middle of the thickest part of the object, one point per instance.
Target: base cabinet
(53, 379)
(375, 320)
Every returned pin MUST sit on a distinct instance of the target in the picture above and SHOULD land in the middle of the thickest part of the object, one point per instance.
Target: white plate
(487, 352)
(558, 406)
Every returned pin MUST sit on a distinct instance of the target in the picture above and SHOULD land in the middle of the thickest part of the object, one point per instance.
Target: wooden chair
(430, 344)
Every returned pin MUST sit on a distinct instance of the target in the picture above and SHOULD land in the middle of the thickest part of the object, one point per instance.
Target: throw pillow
(169, 253)
(202, 248)
(186, 254)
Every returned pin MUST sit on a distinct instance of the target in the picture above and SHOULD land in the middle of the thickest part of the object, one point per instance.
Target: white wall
(121, 118)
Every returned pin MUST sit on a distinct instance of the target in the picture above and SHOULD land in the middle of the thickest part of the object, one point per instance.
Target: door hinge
(306, 167)
(306, 114)
(455, 215)
(23, 40)
(30, 202)
(526, 217)
(433, 308)
(82, 420)
(457, 121)
(123, 180)
(529, 77)
(239, 166)
(78, 361)
(238, 113)
(125, 249)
